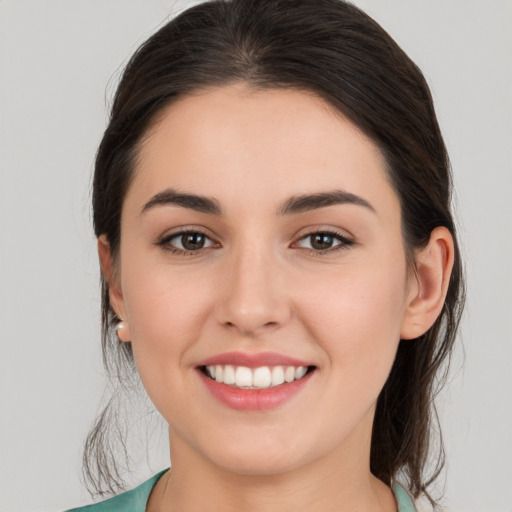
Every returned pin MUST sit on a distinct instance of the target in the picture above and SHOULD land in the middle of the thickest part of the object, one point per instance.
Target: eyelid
(345, 242)
(164, 240)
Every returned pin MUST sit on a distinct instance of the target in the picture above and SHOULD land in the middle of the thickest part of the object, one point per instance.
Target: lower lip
(254, 399)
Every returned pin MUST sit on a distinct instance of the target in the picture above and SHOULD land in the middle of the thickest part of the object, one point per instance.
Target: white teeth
(219, 373)
(243, 377)
(277, 375)
(300, 371)
(262, 378)
(255, 378)
(229, 374)
(289, 374)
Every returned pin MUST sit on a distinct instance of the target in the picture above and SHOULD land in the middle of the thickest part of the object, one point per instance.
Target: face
(259, 234)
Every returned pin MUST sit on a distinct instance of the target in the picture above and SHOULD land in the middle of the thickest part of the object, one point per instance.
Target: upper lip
(253, 360)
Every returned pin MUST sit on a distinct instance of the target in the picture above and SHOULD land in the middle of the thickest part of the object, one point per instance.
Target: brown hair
(336, 51)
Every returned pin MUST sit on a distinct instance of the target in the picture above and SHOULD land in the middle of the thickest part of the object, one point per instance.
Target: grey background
(56, 59)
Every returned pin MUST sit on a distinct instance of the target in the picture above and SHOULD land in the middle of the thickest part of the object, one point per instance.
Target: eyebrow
(308, 202)
(294, 205)
(171, 196)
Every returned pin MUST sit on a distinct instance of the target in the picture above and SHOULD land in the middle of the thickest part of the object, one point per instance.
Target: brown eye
(324, 241)
(186, 242)
(193, 241)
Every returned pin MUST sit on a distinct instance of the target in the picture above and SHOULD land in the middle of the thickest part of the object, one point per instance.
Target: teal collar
(136, 499)
(404, 500)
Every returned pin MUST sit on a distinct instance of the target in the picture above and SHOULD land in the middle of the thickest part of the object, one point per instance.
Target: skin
(260, 285)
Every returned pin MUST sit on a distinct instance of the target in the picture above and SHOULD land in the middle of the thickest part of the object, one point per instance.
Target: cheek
(155, 307)
(358, 318)
(166, 311)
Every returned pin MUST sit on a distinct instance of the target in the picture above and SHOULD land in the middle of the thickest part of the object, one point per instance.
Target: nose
(253, 299)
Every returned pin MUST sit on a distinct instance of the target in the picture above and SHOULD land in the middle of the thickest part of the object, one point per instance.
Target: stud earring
(123, 331)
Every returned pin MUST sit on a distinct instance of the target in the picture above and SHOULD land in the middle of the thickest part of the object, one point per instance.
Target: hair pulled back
(334, 50)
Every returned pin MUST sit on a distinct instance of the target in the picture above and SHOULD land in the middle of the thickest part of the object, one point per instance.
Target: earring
(123, 331)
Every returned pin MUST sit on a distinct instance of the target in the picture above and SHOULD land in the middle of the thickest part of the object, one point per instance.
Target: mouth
(257, 381)
(262, 377)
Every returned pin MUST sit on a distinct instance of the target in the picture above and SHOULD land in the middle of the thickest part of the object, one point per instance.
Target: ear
(114, 288)
(429, 284)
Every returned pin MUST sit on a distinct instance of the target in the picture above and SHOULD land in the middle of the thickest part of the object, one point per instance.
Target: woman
(272, 207)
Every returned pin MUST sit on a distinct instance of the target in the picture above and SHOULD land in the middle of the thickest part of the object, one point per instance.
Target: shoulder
(134, 500)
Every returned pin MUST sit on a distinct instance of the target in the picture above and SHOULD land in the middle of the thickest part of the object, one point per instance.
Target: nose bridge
(253, 297)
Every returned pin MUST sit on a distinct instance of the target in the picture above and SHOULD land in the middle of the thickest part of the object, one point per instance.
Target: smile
(262, 377)
(254, 382)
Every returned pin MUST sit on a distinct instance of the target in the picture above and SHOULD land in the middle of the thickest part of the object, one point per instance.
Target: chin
(264, 453)
(247, 451)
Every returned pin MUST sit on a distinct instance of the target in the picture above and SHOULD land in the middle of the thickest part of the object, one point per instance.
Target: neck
(334, 482)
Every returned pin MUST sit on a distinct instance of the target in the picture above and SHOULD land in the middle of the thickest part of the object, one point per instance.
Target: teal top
(137, 499)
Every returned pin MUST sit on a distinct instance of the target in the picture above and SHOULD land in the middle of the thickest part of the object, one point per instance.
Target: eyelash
(344, 242)
(165, 242)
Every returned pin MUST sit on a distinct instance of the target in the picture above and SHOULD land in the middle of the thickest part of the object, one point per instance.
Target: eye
(186, 242)
(324, 241)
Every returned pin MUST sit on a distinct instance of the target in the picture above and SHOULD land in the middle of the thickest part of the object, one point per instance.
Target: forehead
(237, 141)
